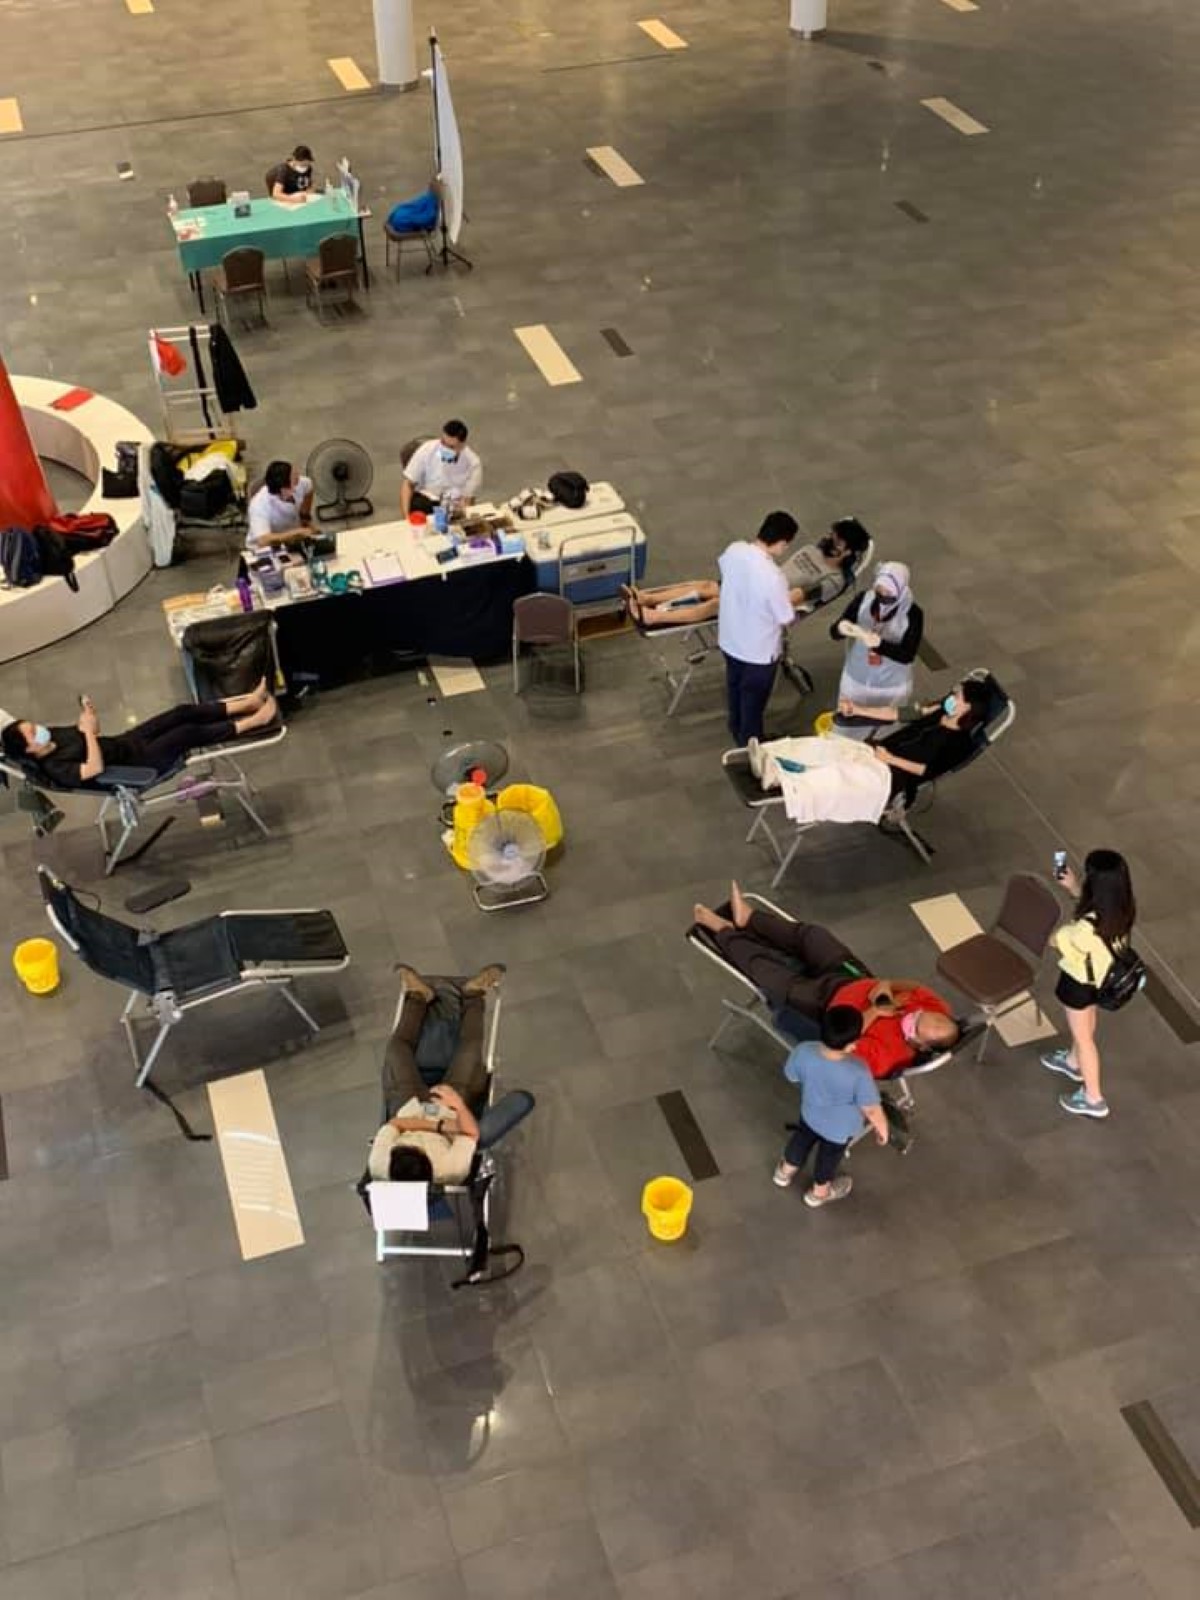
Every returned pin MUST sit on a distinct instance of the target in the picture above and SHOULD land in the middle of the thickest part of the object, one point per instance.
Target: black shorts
(1074, 995)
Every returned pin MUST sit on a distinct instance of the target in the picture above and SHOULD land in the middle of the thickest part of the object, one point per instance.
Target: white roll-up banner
(452, 159)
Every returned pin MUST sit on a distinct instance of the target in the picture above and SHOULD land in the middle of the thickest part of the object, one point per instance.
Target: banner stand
(441, 89)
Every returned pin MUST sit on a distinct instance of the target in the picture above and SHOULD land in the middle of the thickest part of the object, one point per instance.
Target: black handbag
(569, 489)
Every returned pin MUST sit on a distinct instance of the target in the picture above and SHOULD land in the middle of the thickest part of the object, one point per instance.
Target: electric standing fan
(505, 855)
(342, 473)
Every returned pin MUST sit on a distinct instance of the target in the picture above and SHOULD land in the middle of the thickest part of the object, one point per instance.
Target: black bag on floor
(165, 470)
(569, 489)
(203, 498)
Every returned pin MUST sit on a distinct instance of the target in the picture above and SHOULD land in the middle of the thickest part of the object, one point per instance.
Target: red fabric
(72, 398)
(167, 358)
(25, 498)
(883, 1047)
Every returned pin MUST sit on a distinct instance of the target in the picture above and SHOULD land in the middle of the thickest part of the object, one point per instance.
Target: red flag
(166, 358)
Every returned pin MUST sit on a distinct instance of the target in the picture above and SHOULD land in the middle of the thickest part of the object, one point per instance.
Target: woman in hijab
(883, 630)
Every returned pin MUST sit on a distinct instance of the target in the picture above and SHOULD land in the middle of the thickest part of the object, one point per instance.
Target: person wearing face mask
(807, 969)
(841, 780)
(883, 629)
(291, 181)
(71, 756)
(440, 467)
(279, 512)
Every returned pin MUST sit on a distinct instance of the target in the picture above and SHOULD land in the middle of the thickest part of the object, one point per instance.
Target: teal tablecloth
(277, 230)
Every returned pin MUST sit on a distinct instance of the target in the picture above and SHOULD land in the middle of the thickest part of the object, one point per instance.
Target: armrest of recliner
(498, 1121)
(127, 778)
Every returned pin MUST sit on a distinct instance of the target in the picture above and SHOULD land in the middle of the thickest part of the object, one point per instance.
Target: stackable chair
(170, 974)
(241, 276)
(333, 271)
(786, 1028)
(699, 640)
(206, 192)
(221, 657)
(544, 621)
(451, 1220)
(988, 969)
(768, 805)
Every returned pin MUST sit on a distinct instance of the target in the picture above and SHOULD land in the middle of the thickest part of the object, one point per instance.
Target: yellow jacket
(1078, 943)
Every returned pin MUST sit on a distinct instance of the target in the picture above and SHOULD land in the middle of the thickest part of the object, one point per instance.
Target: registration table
(205, 235)
(410, 604)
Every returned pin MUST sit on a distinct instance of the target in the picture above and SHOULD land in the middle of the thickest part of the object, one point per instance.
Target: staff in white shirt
(756, 606)
(441, 465)
(278, 512)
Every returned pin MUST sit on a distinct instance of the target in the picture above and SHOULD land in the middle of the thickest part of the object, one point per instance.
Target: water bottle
(441, 517)
(244, 591)
(172, 207)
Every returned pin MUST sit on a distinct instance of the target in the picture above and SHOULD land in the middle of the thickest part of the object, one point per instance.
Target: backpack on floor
(57, 561)
(20, 559)
(203, 498)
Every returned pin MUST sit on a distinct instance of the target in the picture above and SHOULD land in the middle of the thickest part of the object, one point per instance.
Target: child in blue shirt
(837, 1094)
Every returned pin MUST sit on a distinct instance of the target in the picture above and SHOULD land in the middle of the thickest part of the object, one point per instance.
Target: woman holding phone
(1104, 916)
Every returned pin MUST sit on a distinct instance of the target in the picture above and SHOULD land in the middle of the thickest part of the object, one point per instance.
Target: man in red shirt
(805, 968)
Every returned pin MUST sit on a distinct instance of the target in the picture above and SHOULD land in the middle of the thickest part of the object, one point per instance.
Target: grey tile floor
(917, 1394)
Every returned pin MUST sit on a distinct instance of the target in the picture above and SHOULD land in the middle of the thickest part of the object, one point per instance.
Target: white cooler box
(586, 558)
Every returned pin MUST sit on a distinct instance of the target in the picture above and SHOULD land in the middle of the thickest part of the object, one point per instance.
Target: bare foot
(741, 909)
(704, 918)
(412, 982)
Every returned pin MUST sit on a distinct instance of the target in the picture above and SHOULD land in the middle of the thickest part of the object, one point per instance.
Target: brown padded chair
(543, 620)
(986, 968)
(242, 273)
(206, 192)
(335, 267)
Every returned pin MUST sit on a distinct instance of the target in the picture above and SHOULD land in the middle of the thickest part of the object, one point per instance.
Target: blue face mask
(41, 736)
(448, 455)
(948, 705)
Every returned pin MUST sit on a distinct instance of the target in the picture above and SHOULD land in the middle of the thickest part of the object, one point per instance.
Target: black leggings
(829, 1154)
(163, 740)
(796, 964)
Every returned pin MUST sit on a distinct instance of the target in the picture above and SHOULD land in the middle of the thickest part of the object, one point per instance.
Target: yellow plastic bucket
(471, 805)
(666, 1204)
(536, 802)
(36, 963)
(823, 725)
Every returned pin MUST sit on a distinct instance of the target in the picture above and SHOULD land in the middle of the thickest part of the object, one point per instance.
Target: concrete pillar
(24, 495)
(808, 18)
(395, 44)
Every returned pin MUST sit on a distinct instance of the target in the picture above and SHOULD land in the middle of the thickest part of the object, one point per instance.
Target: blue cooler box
(587, 558)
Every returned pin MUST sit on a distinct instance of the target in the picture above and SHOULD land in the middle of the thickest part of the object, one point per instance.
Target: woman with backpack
(1093, 950)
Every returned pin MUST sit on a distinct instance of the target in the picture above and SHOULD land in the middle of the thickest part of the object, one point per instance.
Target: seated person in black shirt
(71, 756)
(292, 179)
(931, 739)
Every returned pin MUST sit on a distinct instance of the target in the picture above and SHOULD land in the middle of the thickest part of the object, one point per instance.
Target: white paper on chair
(400, 1207)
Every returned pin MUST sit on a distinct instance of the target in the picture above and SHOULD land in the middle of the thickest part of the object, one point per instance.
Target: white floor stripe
(348, 73)
(662, 35)
(140, 8)
(256, 1174)
(10, 117)
(961, 5)
(948, 922)
(456, 677)
(954, 115)
(547, 355)
(615, 165)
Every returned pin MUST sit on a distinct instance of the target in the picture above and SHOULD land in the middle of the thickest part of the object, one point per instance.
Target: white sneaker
(754, 751)
(838, 1190)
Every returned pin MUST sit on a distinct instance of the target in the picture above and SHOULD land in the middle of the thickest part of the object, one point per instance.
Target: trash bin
(36, 963)
(666, 1203)
(808, 17)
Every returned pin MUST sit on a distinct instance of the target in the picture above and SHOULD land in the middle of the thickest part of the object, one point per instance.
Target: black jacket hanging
(229, 378)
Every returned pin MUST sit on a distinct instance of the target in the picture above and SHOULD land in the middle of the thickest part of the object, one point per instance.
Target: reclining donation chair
(452, 1220)
(787, 1028)
(1000, 714)
(221, 657)
(175, 972)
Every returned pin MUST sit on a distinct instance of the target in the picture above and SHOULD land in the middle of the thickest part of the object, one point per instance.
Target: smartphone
(1060, 863)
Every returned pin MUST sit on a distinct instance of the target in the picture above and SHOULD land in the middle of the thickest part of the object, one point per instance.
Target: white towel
(842, 780)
